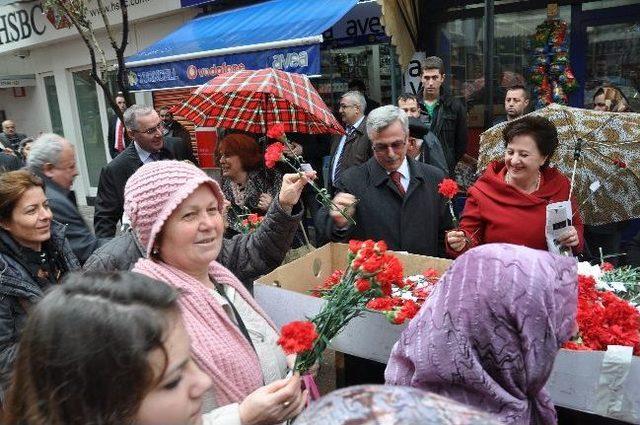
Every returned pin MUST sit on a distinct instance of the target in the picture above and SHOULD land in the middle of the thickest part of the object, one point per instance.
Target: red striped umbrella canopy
(254, 100)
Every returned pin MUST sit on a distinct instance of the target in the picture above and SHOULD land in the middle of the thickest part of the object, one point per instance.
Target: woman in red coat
(508, 202)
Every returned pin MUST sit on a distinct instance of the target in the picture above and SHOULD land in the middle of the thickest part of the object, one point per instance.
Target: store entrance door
(610, 42)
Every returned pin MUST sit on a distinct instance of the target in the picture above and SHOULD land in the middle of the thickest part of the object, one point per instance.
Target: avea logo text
(290, 60)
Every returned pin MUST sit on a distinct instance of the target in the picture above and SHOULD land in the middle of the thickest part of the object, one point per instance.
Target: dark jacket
(175, 129)
(413, 223)
(19, 289)
(450, 126)
(247, 256)
(65, 210)
(180, 149)
(9, 162)
(357, 150)
(633, 251)
(12, 142)
(110, 196)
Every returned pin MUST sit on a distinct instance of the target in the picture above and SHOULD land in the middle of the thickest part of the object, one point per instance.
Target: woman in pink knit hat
(175, 209)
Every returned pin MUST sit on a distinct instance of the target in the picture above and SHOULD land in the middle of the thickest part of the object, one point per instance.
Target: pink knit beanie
(155, 190)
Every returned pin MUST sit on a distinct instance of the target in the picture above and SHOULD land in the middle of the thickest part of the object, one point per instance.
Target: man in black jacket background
(53, 158)
(446, 116)
(145, 128)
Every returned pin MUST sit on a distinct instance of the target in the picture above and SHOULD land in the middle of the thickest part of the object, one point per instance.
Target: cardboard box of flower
(284, 294)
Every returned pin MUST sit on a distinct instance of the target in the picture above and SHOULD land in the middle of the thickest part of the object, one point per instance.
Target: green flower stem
(454, 220)
(322, 194)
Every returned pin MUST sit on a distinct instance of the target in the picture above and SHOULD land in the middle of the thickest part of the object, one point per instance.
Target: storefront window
(54, 106)
(462, 45)
(373, 64)
(613, 58)
(89, 115)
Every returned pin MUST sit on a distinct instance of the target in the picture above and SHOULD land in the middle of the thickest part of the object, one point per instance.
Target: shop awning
(282, 34)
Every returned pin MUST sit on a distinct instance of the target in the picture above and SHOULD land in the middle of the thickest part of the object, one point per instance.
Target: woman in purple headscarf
(489, 333)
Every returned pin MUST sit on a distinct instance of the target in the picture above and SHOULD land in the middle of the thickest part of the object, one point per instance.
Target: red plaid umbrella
(255, 100)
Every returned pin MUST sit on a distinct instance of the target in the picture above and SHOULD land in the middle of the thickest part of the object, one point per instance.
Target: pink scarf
(217, 344)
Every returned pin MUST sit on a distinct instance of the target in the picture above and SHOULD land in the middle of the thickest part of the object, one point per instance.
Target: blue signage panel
(190, 3)
(194, 72)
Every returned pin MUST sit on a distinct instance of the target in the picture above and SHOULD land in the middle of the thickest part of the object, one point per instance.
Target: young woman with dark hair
(108, 349)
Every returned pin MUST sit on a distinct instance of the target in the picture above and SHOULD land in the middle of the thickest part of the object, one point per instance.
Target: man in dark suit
(397, 197)
(145, 128)
(53, 158)
(353, 148)
(117, 137)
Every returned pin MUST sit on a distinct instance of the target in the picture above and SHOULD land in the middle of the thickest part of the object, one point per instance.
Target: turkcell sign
(194, 72)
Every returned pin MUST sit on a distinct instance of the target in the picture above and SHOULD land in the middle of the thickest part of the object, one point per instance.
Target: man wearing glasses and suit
(145, 128)
(353, 148)
(391, 197)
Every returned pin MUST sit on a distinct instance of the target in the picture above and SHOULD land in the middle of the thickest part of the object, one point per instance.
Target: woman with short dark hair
(508, 202)
(107, 349)
(34, 255)
(245, 182)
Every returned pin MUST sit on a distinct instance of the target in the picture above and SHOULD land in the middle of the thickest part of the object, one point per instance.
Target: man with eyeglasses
(353, 148)
(145, 128)
(391, 197)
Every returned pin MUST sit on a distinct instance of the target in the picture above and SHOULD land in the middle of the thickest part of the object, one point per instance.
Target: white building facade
(45, 82)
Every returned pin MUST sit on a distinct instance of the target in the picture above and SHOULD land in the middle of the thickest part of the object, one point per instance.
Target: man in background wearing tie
(397, 196)
(353, 148)
(145, 128)
(117, 138)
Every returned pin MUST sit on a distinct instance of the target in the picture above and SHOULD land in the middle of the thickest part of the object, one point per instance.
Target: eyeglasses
(380, 147)
(151, 131)
(343, 106)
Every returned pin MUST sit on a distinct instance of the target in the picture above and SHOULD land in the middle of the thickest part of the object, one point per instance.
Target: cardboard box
(580, 382)
(284, 295)
(576, 381)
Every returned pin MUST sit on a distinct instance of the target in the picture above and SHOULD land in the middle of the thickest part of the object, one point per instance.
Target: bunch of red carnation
(604, 319)
(372, 271)
(449, 189)
(273, 154)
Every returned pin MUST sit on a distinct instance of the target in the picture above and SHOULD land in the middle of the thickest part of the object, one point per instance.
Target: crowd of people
(148, 318)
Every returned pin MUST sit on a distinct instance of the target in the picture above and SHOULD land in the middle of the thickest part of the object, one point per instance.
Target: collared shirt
(404, 172)
(145, 156)
(341, 147)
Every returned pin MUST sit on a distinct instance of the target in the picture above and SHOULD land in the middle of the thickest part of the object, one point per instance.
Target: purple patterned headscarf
(489, 333)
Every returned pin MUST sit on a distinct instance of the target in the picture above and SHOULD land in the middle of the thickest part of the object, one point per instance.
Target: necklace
(507, 179)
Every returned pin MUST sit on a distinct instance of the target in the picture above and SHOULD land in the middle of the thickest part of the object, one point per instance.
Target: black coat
(9, 162)
(19, 289)
(450, 126)
(65, 210)
(413, 223)
(110, 196)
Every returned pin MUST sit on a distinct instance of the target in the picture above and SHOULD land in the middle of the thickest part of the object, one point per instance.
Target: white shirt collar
(357, 123)
(403, 169)
(143, 154)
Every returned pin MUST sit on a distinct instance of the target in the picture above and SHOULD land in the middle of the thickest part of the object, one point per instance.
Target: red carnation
(354, 246)
(363, 285)
(606, 266)
(297, 337)
(431, 275)
(382, 303)
(276, 132)
(448, 188)
(273, 154)
(620, 163)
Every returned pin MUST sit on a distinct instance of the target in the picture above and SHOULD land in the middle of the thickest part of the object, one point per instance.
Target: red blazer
(498, 212)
